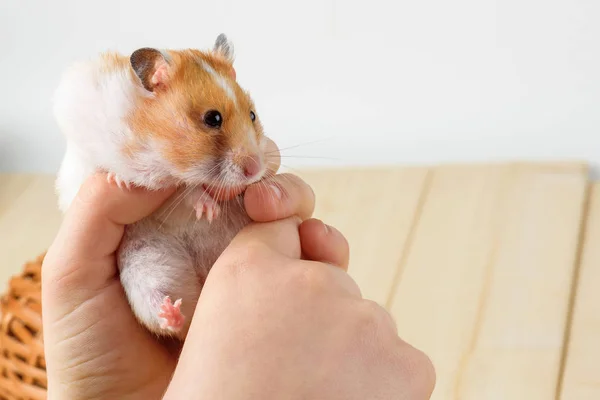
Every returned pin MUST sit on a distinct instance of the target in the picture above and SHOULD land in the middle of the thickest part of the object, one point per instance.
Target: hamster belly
(167, 257)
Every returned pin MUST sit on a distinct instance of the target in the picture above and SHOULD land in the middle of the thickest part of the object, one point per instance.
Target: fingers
(274, 244)
(94, 222)
(279, 197)
(329, 249)
(279, 236)
(93, 227)
(99, 198)
(323, 243)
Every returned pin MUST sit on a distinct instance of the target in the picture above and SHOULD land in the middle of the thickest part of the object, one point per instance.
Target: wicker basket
(22, 362)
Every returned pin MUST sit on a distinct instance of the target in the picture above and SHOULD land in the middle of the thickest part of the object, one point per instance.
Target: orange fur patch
(173, 115)
(112, 62)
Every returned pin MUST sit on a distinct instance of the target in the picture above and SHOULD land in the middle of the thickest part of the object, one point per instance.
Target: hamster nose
(251, 166)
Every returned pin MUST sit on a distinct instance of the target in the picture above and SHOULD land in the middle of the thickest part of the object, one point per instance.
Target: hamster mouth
(223, 193)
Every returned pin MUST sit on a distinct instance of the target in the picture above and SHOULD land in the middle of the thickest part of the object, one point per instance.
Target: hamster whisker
(286, 178)
(312, 157)
(173, 204)
(263, 188)
(181, 197)
(220, 189)
(218, 184)
(240, 201)
(274, 199)
(191, 215)
(301, 144)
(177, 202)
(297, 171)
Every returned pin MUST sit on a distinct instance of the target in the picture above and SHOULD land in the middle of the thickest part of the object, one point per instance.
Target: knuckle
(374, 317)
(255, 251)
(237, 261)
(428, 376)
(416, 370)
(411, 365)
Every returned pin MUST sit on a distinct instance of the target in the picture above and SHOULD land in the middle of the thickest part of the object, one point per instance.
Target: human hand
(94, 346)
(279, 318)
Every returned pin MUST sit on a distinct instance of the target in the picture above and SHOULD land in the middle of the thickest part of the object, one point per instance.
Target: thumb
(92, 230)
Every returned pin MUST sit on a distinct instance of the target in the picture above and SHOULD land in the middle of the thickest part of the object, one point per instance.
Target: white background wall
(378, 81)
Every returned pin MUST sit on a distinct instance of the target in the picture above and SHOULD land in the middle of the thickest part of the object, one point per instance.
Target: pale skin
(278, 318)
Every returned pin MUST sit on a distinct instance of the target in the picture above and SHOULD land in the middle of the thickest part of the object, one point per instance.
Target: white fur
(221, 81)
(252, 138)
(89, 106)
(73, 172)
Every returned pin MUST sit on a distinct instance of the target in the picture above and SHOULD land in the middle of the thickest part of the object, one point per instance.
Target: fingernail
(330, 230)
(276, 191)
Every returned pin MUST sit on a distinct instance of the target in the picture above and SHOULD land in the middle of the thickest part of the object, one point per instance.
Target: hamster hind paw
(172, 318)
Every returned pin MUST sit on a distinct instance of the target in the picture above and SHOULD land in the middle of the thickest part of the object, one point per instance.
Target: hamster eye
(213, 119)
(252, 116)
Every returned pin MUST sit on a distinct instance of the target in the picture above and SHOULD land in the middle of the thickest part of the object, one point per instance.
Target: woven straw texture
(22, 363)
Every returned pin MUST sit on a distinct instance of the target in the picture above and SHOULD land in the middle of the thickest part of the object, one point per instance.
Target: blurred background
(377, 82)
(493, 271)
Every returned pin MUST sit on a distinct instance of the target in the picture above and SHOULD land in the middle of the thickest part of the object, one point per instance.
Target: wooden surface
(492, 270)
(581, 370)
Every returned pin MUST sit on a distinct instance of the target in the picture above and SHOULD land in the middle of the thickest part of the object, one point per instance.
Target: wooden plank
(375, 209)
(28, 225)
(581, 378)
(519, 346)
(436, 301)
(487, 282)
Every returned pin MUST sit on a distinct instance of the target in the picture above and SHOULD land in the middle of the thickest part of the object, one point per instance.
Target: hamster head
(195, 118)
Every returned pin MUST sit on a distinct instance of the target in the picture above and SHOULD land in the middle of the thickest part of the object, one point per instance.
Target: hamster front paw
(114, 178)
(206, 205)
(172, 318)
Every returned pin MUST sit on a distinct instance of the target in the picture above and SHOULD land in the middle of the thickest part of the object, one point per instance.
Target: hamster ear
(151, 66)
(224, 47)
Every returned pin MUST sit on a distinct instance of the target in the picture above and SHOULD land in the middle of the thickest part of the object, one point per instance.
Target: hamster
(156, 119)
